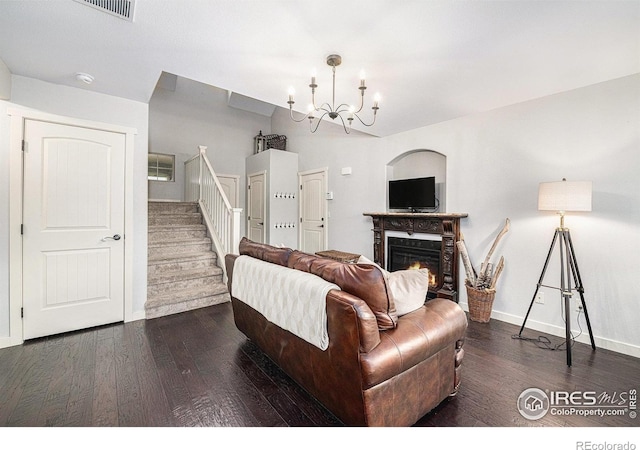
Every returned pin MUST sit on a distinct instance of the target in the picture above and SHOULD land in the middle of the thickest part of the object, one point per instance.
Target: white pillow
(409, 289)
(365, 260)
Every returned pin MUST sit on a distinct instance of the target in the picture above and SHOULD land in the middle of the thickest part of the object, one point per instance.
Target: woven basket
(480, 303)
(277, 141)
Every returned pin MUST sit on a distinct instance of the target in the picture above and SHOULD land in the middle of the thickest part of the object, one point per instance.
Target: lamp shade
(565, 196)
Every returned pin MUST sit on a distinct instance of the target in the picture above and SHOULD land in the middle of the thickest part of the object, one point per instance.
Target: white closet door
(73, 242)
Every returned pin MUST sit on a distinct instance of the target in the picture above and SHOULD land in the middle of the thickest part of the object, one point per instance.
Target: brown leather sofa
(379, 369)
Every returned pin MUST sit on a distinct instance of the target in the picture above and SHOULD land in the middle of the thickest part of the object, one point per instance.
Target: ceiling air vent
(119, 8)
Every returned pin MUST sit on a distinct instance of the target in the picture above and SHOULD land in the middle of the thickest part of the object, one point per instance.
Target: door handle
(115, 237)
(260, 223)
(321, 226)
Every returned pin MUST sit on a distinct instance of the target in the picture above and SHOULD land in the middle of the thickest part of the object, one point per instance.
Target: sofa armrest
(439, 324)
(341, 307)
(229, 261)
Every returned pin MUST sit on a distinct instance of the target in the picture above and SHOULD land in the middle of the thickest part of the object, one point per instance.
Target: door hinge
(21, 228)
(22, 313)
(249, 187)
(300, 187)
(23, 144)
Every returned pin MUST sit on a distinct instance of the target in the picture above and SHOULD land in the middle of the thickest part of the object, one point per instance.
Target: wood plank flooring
(197, 369)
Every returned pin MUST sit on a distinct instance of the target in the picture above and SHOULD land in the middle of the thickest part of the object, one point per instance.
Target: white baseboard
(164, 200)
(9, 342)
(137, 315)
(608, 344)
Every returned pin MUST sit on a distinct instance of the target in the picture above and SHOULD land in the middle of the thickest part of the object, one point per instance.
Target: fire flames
(432, 276)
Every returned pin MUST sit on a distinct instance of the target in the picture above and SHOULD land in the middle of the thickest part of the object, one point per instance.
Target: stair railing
(222, 220)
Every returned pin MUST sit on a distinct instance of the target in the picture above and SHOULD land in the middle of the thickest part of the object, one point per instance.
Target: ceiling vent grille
(119, 8)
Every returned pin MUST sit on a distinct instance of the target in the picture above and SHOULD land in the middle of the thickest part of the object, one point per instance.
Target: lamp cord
(544, 342)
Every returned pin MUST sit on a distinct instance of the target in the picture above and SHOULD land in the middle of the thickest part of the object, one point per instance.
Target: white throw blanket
(292, 299)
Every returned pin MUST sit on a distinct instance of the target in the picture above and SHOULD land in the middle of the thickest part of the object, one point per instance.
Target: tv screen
(413, 193)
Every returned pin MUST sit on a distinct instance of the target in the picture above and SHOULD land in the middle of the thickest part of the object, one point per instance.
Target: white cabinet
(280, 195)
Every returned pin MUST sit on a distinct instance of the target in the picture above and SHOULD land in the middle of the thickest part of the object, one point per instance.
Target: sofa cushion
(409, 288)
(265, 252)
(301, 261)
(362, 280)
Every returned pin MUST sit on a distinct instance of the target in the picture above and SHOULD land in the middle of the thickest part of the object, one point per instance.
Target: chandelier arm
(346, 108)
(325, 107)
(294, 119)
(361, 100)
(313, 99)
(346, 130)
(313, 130)
(363, 123)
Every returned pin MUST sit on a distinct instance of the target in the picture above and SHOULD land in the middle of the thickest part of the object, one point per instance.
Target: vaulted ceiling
(430, 61)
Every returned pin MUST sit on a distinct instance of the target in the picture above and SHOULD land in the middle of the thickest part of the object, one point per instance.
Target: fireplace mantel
(446, 225)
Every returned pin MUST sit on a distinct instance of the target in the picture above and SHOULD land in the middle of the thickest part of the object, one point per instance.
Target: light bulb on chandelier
(317, 113)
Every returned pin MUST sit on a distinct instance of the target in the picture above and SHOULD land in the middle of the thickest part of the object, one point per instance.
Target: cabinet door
(256, 207)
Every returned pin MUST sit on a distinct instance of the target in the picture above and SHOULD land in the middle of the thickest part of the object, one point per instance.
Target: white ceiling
(431, 61)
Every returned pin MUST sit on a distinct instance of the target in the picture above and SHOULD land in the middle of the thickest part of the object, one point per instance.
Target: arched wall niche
(421, 163)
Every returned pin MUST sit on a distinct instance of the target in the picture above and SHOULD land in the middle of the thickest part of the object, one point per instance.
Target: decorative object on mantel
(481, 286)
(265, 142)
(332, 110)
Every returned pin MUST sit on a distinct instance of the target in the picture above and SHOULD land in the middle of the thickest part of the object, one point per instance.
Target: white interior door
(313, 211)
(73, 242)
(230, 186)
(256, 207)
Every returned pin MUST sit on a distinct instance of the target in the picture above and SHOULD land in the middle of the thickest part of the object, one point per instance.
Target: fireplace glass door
(409, 253)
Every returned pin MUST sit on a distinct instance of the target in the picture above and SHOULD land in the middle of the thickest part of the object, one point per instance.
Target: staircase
(183, 272)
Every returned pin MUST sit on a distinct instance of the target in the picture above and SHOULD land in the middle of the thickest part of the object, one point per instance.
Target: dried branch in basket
(494, 279)
(495, 242)
(466, 262)
(484, 279)
(488, 276)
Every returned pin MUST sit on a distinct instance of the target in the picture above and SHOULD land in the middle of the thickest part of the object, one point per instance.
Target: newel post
(235, 227)
(202, 152)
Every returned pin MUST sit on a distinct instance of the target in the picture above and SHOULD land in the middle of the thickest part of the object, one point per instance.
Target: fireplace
(418, 226)
(410, 253)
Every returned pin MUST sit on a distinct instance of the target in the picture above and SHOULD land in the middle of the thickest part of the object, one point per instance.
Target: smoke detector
(119, 8)
(84, 77)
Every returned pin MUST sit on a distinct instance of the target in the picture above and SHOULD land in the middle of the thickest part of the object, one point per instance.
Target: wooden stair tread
(182, 275)
(209, 290)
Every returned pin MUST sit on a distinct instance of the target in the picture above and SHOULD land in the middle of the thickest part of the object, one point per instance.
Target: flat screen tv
(413, 194)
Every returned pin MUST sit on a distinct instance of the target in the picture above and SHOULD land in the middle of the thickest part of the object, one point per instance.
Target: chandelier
(317, 113)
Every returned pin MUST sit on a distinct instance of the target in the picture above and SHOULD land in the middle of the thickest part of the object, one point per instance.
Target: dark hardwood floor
(197, 369)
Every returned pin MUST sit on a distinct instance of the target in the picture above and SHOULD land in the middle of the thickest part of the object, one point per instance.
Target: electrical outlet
(540, 298)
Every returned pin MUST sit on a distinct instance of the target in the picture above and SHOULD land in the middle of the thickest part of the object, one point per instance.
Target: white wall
(4, 218)
(5, 81)
(86, 105)
(495, 161)
(197, 114)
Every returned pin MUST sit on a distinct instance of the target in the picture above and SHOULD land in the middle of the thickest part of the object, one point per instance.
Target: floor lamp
(564, 196)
